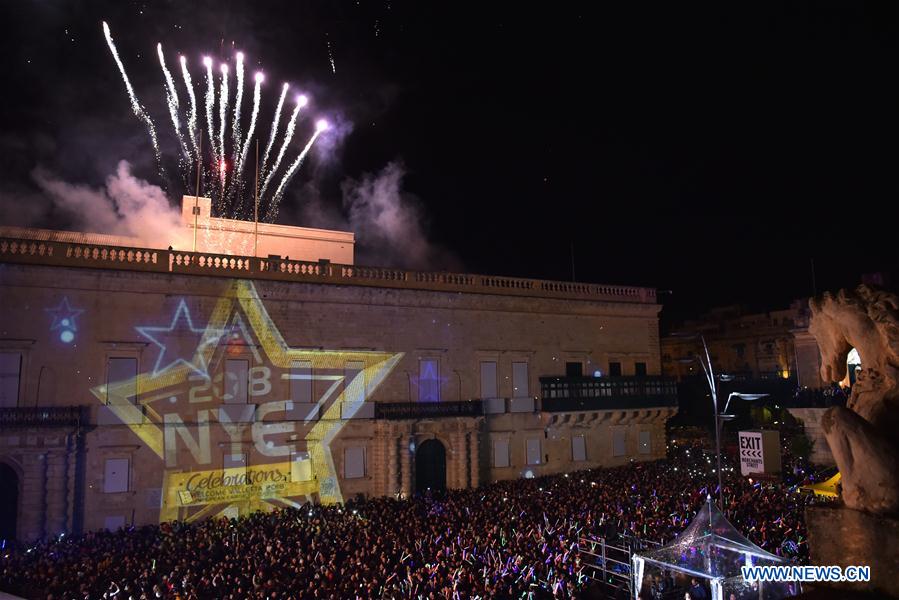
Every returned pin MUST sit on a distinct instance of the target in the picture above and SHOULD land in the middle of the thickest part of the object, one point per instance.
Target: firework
(320, 126)
(331, 59)
(192, 117)
(235, 128)
(171, 97)
(275, 121)
(139, 111)
(210, 105)
(226, 190)
(238, 168)
(288, 135)
(223, 119)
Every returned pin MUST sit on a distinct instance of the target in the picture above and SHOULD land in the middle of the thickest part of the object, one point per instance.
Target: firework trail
(235, 128)
(273, 206)
(171, 98)
(223, 119)
(238, 168)
(288, 135)
(275, 121)
(139, 111)
(210, 105)
(331, 59)
(192, 117)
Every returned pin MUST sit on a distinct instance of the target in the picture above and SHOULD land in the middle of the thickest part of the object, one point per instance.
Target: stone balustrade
(69, 254)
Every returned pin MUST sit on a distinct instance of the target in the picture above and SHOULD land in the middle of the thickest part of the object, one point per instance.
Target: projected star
(181, 335)
(64, 316)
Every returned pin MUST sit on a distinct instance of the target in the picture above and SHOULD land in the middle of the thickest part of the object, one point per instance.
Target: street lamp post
(706, 364)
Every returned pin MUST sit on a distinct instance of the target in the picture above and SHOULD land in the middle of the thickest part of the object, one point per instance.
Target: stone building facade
(770, 345)
(146, 385)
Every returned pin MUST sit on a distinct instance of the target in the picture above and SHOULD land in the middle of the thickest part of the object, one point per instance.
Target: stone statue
(864, 436)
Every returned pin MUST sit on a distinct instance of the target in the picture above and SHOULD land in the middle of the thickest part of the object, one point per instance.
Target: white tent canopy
(711, 548)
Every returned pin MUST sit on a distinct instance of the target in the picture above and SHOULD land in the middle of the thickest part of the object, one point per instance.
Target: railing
(41, 417)
(58, 253)
(427, 410)
(606, 393)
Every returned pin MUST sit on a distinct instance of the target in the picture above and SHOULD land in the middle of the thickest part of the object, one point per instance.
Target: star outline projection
(65, 320)
(206, 336)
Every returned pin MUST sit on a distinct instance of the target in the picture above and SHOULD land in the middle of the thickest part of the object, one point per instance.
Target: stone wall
(811, 419)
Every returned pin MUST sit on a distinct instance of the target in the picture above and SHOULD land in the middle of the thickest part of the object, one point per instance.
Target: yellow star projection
(173, 406)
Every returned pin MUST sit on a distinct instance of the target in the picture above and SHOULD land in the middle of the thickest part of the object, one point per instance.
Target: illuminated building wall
(219, 394)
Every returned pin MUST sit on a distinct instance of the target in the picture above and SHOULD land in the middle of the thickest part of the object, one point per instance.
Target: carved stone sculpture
(864, 436)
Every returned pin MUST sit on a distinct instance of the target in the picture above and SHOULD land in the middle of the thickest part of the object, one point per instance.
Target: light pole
(706, 363)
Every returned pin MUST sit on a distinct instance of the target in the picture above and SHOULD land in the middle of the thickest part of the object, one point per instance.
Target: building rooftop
(43, 247)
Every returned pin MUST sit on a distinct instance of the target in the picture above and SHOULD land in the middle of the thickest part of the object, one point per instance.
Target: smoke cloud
(125, 206)
(390, 224)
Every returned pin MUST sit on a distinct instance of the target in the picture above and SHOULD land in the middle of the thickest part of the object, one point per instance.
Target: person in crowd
(697, 592)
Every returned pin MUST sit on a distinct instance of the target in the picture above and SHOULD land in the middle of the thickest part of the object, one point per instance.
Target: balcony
(427, 410)
(42, 417)
(562, 394)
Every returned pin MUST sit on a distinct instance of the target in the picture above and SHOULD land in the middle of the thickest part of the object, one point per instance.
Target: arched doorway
(430, 466)
(9, 501)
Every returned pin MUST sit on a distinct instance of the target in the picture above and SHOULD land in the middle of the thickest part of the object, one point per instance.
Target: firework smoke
(139, 111)
(275, 121)
(192, 117)
(288, 135)
(171, 98)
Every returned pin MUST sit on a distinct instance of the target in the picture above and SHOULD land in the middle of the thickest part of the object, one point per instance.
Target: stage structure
(711, 549)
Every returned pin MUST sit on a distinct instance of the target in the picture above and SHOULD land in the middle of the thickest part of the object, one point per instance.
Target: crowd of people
(823, 397)
(511, 539)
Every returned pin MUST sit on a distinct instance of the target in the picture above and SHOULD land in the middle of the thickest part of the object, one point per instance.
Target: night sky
(710, 153)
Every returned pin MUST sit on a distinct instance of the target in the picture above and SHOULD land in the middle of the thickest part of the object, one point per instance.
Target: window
(533, 451)
(618, 446)
(428, 380)
(520, 380)
(235, 388)
(234, 469)
(578, 448)
(115, 475)
(645, 443)
(300, 466)
(121, 380)
(488, 380)
(10, 373)
(500, 453)
(614, 369)
(301, 381)
(574, 369)
(640, 369)
(354, 462)
(354, 382)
